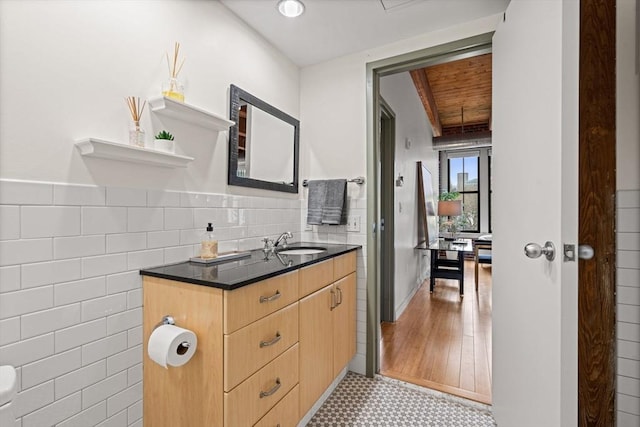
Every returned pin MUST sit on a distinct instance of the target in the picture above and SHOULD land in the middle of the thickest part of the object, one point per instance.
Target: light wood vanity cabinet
(327, 331)
(266, 351)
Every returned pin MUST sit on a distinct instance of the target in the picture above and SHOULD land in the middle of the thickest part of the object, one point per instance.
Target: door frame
(387, 197)
(459, 49)
(597, 356)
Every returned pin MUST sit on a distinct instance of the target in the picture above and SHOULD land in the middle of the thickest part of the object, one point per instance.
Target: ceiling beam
(421, 83)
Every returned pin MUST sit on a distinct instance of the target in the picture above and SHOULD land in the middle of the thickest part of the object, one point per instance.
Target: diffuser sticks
(136, 133)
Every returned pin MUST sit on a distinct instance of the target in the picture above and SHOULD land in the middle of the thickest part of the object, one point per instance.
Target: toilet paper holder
(170, 320)
(166, 320)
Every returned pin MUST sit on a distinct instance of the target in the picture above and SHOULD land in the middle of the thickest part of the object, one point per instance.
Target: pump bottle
(209, 245)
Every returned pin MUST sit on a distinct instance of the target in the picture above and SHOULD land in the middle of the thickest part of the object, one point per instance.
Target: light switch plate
(353, 223)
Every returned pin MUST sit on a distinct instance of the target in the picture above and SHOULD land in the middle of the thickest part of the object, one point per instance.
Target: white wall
(73, 231)
(68, 65)
(411, 266)
(628, 217)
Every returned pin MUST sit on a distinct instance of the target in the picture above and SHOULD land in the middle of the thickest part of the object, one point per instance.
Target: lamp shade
(449, 207)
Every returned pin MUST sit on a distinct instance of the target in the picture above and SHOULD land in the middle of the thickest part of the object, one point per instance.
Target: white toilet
(8, 390)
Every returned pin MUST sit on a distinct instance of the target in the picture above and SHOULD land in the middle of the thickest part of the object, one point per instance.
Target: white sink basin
(302, 251)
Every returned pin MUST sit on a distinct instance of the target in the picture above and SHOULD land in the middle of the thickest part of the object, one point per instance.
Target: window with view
(463, 178)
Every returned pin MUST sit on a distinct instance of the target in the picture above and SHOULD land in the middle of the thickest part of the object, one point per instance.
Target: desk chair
(482, 253)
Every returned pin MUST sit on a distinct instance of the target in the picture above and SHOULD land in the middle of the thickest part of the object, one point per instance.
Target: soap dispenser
(209, 245)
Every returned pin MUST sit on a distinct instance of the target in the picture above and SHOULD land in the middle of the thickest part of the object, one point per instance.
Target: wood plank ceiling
(456, 95)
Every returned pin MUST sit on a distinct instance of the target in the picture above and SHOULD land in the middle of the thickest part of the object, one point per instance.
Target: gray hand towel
(317, 192)
(334, 210)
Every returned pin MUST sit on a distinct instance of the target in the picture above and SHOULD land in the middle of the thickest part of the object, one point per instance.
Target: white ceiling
(332, 28)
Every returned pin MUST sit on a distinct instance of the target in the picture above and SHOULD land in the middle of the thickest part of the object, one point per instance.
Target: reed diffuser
(136, 133)
(173, 88)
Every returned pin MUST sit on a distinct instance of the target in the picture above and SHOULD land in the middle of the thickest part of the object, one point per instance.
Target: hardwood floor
(443, 342)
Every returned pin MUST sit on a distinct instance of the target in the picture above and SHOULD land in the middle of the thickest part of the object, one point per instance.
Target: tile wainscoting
(70, 293)
(628, 308)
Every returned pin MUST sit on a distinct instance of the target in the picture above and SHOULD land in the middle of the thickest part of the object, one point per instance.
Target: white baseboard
(358, 364)
(406, 301)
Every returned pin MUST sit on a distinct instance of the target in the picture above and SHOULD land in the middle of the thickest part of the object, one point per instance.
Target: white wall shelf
(188, 113)
(92, 147)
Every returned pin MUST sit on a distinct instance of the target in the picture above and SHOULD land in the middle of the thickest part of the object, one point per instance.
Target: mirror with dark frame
(263, 144)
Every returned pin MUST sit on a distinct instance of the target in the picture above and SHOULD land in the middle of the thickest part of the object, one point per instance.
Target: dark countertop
(235, 274)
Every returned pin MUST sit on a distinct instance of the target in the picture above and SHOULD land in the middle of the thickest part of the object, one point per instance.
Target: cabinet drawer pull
(271, 298)
(272, 342)
(339, 296)
(272, 390)
(333, 299)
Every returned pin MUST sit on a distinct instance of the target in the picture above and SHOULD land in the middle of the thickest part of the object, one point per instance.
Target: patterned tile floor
(361, 401)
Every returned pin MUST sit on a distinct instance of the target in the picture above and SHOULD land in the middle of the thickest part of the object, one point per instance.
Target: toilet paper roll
(171, 345)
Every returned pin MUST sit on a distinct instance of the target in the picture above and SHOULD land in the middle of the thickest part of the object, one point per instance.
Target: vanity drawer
(315, 277)
(285, 413)
(248, 402)
(250, 303)
(250, 348)
(344, 265)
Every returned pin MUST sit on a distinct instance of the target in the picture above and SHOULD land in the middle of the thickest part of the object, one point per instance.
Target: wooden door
(316, 346)
(344, 323)
(535, 140)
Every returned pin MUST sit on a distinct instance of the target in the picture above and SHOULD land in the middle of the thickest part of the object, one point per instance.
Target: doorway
(387, 229)
(557, 388)
(409, 298)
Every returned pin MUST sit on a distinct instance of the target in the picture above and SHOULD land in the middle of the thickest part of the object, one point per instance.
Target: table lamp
(450, 208)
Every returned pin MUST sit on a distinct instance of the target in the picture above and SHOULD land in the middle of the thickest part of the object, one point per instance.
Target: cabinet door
(316, 346)
(344, 323)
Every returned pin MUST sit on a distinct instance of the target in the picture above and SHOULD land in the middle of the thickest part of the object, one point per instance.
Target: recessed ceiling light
(290, 8)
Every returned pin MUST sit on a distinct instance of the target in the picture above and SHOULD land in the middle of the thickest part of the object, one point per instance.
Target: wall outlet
(308, 227)
(353, 223)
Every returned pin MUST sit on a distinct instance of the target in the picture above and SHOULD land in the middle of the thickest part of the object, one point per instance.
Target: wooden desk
(448, 268)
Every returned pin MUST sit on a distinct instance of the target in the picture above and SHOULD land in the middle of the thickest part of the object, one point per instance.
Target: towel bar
(358, 180)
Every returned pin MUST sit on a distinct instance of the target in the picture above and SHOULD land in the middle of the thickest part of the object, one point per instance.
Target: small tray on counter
(222, 257)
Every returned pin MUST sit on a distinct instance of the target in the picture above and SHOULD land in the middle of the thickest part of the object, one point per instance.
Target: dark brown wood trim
(421, 82)
(597, 186)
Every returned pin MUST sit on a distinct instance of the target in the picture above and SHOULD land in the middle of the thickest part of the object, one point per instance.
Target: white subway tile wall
(70, 290)
(628, 308)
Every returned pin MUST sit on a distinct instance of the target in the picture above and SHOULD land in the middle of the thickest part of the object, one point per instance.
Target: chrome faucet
(284, 236)
(268, 246)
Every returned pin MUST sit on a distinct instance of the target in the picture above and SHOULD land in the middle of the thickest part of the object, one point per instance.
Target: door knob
(534, 250)
(585, 252)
